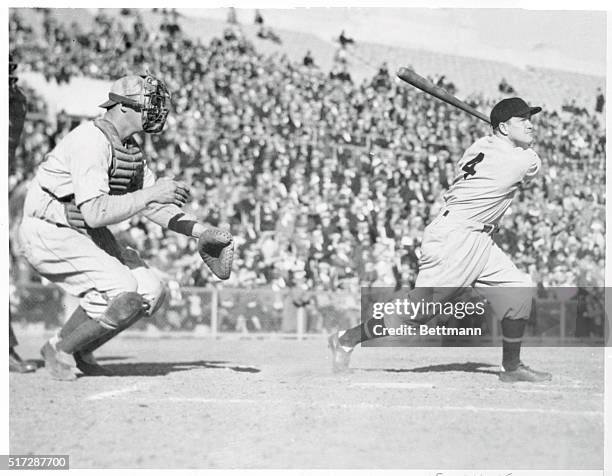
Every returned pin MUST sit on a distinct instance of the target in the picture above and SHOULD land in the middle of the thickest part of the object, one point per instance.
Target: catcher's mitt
(216, 247)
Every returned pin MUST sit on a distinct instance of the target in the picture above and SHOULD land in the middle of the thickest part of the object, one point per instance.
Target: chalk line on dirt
(392, 384)
(114, 393)
(379, 407)
(426, 385)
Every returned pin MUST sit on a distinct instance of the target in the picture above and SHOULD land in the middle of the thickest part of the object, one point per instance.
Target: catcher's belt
(102, 236)
(74, 217)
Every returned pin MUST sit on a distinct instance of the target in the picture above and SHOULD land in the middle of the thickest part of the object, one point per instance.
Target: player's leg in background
(510, 294)
(16, 363)
(12, 338)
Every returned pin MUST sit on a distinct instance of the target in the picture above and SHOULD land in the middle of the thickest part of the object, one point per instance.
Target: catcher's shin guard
(120, 311)
(148, 308)
(78, 317)
(100, 341)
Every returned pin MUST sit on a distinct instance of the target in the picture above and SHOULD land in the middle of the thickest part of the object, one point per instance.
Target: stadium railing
(263, 312)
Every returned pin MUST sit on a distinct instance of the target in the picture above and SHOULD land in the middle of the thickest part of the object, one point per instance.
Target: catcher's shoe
(87, 363)
(57, 362)
(524, 374)
(340, 357)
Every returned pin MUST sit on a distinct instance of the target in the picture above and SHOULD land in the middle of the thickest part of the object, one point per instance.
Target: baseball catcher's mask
(154, 106)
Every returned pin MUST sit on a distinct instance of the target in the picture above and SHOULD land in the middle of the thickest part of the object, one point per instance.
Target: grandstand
(548, 87)
(298, 157)
(326, 185)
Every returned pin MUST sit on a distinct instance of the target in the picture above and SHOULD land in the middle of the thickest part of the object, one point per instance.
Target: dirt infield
(199, 403)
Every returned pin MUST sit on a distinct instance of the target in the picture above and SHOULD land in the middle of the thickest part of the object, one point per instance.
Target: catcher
(96, 176)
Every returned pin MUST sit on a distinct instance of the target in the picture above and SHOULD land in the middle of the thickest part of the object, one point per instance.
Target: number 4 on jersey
(470, 167)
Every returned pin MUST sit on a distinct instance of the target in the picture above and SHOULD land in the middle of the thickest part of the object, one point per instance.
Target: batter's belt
(488, 228)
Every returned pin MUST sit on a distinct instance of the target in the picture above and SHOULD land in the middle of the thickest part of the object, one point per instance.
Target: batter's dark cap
(511, 107)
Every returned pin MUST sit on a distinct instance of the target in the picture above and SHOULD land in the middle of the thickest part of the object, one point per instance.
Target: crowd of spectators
(322, 181)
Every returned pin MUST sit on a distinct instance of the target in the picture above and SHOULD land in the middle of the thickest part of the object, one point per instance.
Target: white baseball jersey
(457, 250)
(488, 176)
(77, 165)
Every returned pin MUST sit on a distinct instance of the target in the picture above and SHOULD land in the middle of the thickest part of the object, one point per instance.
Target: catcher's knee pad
(126, 283)
(121, 310)
(150, 287)
(156, 302)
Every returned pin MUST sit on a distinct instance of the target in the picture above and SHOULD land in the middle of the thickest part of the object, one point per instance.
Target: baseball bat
(424, 85)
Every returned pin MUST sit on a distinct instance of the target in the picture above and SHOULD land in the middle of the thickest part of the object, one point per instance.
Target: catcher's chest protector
(126, 172)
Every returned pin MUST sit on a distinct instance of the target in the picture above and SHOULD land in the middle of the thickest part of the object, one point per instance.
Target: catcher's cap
(128, 86)
(511, 107)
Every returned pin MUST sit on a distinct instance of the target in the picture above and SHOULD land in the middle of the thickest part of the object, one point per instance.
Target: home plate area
(274, 403)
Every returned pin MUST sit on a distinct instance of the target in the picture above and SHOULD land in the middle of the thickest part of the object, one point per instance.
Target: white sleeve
(105, 210)
(163, 214)
(90, 156)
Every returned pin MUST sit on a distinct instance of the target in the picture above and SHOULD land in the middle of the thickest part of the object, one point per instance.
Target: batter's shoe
(87, 363)
(524, 374)
(17, 365)
(340, 356)
(58, 363)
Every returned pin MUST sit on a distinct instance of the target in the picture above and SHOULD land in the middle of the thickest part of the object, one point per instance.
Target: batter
(457, 250)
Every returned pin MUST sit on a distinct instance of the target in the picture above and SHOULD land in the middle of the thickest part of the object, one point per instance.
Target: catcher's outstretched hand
(216, 247)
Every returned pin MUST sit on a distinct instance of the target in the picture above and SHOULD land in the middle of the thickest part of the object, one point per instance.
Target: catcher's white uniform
(457, 249)
(79, 165)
